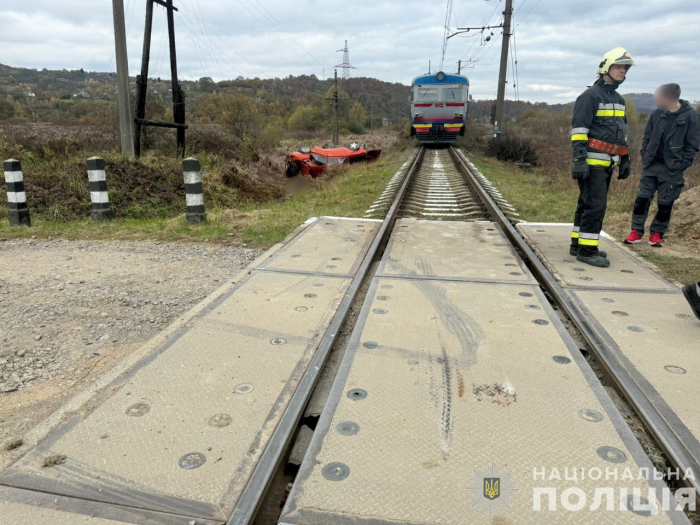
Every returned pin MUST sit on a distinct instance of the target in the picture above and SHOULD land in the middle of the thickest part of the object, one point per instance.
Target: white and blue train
(439, 107)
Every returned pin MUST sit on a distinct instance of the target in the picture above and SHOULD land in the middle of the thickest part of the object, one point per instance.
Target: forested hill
(30, 90)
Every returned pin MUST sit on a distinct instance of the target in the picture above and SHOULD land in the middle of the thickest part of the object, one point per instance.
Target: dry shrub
(685, 215)
(257, 182)
(210, 138)
(512, 148)
(51, 139)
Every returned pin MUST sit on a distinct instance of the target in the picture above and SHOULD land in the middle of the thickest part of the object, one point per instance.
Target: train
(439, 105)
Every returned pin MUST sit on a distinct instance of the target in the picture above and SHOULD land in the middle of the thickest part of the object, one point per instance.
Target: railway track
(400, 257)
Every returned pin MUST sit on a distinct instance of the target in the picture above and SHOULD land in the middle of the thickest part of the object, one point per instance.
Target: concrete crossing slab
(647, 328)
(480, 381)
(182, 431)
(658, 338)
(551, 242)
(476, 251)
(22, 507)
(331, 245)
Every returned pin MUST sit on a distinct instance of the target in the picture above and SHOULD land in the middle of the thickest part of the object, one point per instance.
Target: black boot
(691, 293)
(594, 260)
(573, 251)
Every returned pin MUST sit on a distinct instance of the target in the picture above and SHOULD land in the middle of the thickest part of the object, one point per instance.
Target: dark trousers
(590, 210)
(656, 179)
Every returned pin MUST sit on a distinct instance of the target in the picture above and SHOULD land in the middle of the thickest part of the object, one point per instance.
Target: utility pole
(122, 78)
(336, 103)
(459, 67)
(142, 80)
(502, 76)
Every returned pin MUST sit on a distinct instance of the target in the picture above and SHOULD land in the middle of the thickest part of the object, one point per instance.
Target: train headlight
(459, 115)
(419, 114)
(441, 76)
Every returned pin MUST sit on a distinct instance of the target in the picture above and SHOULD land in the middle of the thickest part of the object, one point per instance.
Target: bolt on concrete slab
(480, 382)
(181, 432)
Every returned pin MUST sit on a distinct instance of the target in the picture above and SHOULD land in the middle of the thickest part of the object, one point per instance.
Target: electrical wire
(446, 32)
(205, 35)
(277, 23)
(273, 33)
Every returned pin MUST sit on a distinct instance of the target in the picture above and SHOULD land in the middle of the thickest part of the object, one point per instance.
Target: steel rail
(656, 421)
(254, 492)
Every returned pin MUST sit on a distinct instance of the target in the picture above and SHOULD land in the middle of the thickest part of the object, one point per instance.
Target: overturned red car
(314, 161)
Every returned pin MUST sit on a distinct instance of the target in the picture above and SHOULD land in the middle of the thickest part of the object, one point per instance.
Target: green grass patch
(536, 197)
(680, 269)
(543, 198)
(349, 193)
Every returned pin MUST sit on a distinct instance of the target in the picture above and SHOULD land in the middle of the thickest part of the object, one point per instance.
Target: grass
(541, 198)
(348, 193)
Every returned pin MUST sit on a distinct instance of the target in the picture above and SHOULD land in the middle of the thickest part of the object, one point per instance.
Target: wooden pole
(178, 95)
(142, 80)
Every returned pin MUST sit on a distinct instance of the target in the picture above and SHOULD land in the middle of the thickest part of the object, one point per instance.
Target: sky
(558, 43)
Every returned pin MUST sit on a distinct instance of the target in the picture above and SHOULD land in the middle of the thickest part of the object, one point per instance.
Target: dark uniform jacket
(681, 141)
(599, 113)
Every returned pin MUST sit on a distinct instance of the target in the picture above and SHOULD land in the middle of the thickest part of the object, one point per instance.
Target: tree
(631, 111)
(358, 113)
(306, 118)
(7, 110)
(206, 84)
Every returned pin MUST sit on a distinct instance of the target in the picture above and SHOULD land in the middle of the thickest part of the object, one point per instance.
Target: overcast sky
(559, 42)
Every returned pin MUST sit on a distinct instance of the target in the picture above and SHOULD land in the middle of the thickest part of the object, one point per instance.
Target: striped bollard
(101, 211)
(17, 209)
(194, 195)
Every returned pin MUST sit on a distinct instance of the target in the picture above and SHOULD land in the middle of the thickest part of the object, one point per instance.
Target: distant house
(31, 95)
(385, 121)
(81, 94)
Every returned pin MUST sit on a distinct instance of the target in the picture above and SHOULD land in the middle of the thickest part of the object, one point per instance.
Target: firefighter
(671, 141)
(599, 139)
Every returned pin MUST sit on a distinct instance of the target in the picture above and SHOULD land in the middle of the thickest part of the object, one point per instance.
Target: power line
(290, 36)
(273, 33)
(530, 11)
(446, 32)
(205, 34)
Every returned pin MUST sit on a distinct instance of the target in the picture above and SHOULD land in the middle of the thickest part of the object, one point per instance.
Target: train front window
(451, 94)
(426, 94)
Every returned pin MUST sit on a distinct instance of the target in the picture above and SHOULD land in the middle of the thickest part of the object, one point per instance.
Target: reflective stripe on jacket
(599, 113)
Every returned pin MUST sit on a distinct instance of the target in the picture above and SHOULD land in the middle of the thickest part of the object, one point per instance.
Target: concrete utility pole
(500, 99)
(122, 78)
(459, 67)
(336, 103)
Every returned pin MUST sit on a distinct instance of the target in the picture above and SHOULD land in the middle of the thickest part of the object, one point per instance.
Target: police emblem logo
(492, 489)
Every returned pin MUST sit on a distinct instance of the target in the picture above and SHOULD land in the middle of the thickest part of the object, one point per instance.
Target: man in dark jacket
(599, 139)
(671, 141)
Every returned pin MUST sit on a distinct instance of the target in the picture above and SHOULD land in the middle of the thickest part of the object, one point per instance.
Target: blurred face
(618, 72)
(662, 101)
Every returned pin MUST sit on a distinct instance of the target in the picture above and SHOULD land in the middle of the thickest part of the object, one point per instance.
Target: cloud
(558, 44)
(546, 87)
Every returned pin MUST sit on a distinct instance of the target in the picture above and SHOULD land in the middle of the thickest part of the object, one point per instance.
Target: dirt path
(70, 310)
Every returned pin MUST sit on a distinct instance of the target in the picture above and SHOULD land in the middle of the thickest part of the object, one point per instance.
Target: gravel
(65, 303)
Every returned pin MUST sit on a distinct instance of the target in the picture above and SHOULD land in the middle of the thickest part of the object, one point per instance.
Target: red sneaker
(633, 238)
(655, 240)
